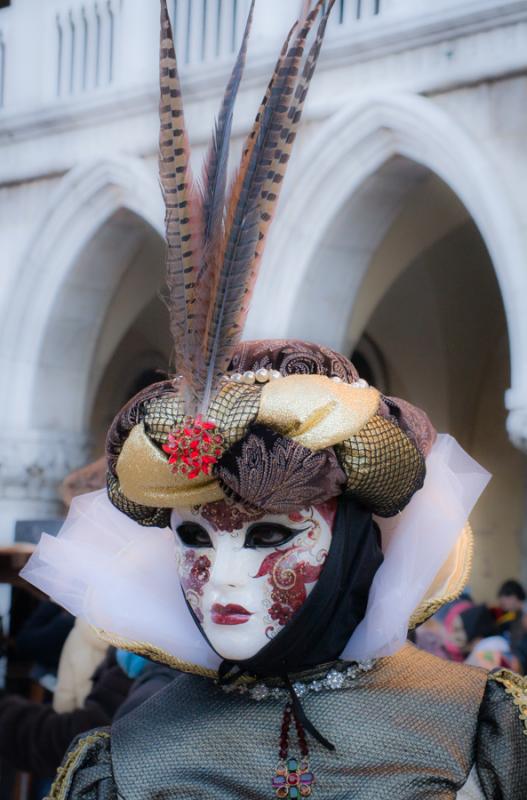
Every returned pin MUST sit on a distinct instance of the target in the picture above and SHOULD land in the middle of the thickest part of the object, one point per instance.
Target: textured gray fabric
(501, 747)
(87, 770)
(411, 729)
(407, 729)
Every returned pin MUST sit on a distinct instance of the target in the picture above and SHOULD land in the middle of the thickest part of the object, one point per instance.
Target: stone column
(32, 465)
(517, 430)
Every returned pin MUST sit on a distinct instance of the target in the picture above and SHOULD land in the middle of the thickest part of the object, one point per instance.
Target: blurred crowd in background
(478, 634)
(76, 683)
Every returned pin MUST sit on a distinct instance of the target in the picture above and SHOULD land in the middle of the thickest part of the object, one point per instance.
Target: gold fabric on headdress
(315, 411)
(145, 476)
(383, 466)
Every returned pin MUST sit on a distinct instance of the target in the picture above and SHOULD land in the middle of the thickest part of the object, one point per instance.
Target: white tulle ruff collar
(122, 579)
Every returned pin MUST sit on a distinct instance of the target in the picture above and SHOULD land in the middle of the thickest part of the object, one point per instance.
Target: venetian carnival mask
(245, 574)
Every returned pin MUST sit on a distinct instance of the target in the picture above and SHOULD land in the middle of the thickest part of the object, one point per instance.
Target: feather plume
(213, 187)
(180, 206)
(255, 201)
(214, 243)
(274, 175)
(214, 179)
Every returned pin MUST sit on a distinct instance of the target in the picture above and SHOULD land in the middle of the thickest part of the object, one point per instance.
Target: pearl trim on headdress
(265, 375)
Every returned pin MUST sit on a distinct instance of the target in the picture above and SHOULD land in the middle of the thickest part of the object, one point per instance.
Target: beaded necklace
(293, 777)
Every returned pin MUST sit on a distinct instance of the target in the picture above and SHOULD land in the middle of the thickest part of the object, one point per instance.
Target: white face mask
(246, 583)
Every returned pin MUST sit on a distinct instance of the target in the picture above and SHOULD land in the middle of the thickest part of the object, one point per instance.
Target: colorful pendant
(293, 778)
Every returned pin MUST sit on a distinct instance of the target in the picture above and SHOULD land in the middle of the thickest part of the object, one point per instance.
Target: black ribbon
(306, 723)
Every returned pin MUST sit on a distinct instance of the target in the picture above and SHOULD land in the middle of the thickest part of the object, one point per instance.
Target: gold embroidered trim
(456, 584)
(516, 686)
(154, 653)
(60, 785)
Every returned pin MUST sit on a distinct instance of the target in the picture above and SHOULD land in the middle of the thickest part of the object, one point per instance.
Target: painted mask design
(244, 574)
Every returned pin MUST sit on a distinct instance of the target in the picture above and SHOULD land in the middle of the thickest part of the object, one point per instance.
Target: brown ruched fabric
(413, 421)
(292, 357)
(267, 471)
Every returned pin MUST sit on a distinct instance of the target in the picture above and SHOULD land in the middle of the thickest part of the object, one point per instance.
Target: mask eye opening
(192, 534)
(269, 534)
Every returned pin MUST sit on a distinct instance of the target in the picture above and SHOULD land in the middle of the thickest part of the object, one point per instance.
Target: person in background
(42, 636)
(454, 635)
(483, 644)
(512, 606)
(34, 737)
(82, 653)
(511, 597)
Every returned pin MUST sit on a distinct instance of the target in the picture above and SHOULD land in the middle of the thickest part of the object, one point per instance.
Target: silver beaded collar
(335, 679)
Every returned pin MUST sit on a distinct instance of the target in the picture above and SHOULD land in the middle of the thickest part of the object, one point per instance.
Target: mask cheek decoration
(291, 574)
(194, 574)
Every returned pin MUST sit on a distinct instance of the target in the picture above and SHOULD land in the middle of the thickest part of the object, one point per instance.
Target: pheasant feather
(180, 206)
(257, 197)
(214, 242)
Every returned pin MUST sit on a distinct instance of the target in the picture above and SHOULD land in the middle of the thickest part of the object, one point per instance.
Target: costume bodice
(412, 728)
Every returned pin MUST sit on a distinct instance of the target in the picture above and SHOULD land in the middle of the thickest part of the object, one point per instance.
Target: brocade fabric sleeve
(86, 771)
(501, 756)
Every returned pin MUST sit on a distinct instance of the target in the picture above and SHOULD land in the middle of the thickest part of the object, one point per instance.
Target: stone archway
(359, 154)
(387, 187)
(83, 251)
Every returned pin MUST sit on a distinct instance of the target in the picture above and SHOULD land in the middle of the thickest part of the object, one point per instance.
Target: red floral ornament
(194, 447)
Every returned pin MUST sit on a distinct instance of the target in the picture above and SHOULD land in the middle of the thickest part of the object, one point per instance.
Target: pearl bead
(262, 375)
(275, 374)
(248, 377)
(236, 377)
(336, 379)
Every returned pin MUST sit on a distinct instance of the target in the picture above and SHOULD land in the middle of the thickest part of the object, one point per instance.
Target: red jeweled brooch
(194, 447)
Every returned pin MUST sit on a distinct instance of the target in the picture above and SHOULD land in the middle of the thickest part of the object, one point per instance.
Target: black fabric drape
(321, 628)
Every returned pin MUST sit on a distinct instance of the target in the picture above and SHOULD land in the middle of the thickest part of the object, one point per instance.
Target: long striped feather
(180, 212)
(237, 183)
(238, 269)
(214, 243)
(213, 188)
(214, 179)
(274, 174)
